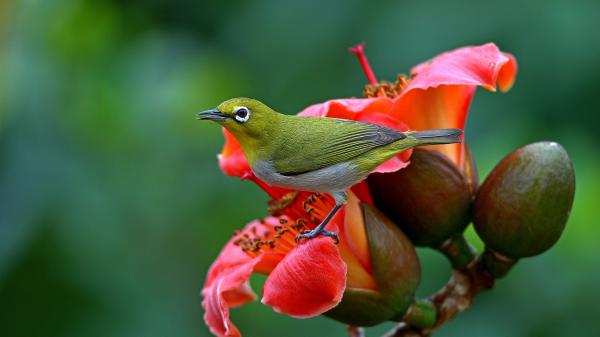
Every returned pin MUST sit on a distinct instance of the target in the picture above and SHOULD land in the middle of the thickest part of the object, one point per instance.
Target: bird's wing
(329, 141)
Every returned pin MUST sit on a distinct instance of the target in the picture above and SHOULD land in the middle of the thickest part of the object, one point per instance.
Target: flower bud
(396, 270)
(523, 205)
(430, 200)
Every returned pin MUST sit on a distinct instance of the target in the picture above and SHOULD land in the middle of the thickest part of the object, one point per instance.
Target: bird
(315, 154)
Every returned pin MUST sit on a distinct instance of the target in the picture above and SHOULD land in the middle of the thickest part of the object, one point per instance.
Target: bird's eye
(242, 114)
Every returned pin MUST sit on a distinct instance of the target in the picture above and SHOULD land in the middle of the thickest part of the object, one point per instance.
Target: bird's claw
(309, 234)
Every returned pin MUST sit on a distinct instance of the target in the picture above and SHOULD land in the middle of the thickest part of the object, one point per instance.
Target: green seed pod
(430, 200)
(522, 207)
(397, 272)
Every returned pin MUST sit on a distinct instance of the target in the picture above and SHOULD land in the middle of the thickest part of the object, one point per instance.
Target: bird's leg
(340, 200)
(319, 230)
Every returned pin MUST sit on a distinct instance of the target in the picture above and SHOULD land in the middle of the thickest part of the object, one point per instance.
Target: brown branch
(456, 296)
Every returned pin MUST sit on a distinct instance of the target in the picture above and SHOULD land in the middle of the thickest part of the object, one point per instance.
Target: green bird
(315, 154)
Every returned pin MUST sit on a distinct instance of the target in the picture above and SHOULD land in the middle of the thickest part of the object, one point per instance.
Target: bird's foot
(309, 234)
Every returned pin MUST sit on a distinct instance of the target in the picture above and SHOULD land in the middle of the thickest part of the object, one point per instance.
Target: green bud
(421, 314)
(430, 199)
(396, 270)
(523, 205)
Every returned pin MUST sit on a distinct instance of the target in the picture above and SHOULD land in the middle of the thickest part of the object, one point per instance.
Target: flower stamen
(386, 89)
(359, 51)
(317, 206)
(280, 240)
(295, 213)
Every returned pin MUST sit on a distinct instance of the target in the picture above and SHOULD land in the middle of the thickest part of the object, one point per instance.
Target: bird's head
(245, 118)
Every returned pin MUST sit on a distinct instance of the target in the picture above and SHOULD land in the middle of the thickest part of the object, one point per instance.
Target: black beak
(212, 115)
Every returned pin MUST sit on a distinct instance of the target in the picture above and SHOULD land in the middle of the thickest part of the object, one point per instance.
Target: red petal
(508, 74)
(440, 93)
(354, 232)
(471, 66)
(231, 255)
(347, 108)
(381, 118)
(437, 108)
(232, 159)
(361, 190)
(227, 281)
(230, 288)
(308, 281)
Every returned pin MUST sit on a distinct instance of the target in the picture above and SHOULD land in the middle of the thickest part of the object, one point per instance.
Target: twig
(456, 296)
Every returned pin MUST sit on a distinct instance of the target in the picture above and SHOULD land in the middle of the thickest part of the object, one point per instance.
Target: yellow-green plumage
(315, 153)
(327, 141)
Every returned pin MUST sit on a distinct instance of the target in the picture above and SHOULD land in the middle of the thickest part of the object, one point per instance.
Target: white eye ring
(242, 114)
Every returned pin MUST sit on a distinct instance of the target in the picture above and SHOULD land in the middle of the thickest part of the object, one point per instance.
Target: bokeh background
(112, 206)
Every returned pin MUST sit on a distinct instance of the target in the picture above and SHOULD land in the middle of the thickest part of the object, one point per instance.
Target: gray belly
(331, 179)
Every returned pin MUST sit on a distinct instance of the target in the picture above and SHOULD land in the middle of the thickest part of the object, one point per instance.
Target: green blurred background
(112, 206)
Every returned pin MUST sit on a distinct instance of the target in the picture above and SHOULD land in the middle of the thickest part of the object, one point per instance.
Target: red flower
(437, 96)
(269, 247)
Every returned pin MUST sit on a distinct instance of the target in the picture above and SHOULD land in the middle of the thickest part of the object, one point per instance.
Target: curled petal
(508, 74)
(471, 66)
(227, 281)
(231, 286)
(309, 281)
(440, 92)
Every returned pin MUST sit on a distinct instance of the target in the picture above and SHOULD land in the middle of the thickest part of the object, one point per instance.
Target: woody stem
(458, 251)
(456, 296)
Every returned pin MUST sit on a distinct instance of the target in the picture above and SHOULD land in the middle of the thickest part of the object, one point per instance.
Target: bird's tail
(441, 136)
